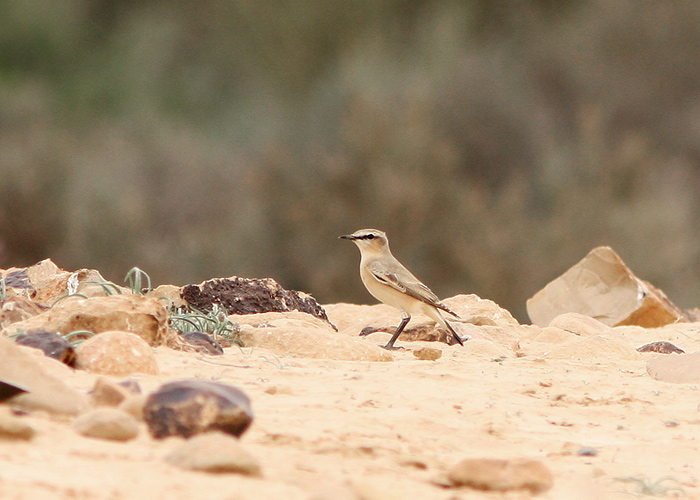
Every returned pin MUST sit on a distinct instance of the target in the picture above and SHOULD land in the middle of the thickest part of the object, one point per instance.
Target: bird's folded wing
(403, 281)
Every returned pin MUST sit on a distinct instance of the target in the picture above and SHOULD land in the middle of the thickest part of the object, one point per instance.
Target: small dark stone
(587, 451)
(250, 295)
(53, 345)
(368, 330)
(203, 343)
(662, 347)
(131, 385)
(18, 278)
(9, 390)
(190, 407)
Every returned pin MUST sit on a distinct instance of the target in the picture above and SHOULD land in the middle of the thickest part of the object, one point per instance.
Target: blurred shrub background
(496, 141)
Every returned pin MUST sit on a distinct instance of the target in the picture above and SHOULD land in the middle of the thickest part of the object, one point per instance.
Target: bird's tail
(442, 306)
(454, 334)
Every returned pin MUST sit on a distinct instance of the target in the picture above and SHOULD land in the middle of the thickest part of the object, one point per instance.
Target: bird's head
(371, 240)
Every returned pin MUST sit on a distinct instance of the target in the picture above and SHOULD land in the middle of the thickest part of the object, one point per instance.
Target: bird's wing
(401, 279)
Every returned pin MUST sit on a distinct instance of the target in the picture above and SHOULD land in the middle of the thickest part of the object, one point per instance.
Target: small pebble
(501, 475)
(214, 452)
(587, 451)
(427, 353)
(662, 347)
(14, 427)
(107, 423)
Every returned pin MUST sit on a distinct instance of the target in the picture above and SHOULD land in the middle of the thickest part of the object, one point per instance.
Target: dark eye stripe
(366, 237)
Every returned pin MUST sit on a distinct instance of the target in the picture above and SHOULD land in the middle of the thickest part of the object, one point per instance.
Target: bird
(388, 281)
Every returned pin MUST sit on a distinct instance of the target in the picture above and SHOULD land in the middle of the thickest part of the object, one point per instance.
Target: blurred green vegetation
(495, 141)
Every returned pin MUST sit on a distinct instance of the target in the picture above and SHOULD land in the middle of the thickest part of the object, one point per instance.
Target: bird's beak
(346, 237)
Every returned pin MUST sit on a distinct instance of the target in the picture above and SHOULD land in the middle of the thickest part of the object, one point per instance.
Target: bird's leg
(454, 334)
(390, 345)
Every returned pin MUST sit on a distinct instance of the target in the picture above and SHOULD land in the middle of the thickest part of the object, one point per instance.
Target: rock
(553, 335)
(133, 405)
(248, 296)
(202, 343)
(603, 287)
(485, 348)
(14, 427)
(678, 369)
(587, 451)
(52, 344)
(580, 324)
(116, 353)
(142, 316)
(588, 349)
(171, 293)
(106, 392)
(292, 334)
(502, 475)
(214, 452)
(45, 283)
(480, 312)
(9, 390)
(107, 423)
(427, 353)
(662, 347)
(16, 309)
(353, 320)
(190, 407)
(44, 391)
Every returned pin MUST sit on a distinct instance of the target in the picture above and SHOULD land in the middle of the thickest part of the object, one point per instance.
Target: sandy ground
(393, 429)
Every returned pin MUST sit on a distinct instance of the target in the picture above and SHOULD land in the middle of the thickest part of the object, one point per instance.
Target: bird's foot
(392, 347)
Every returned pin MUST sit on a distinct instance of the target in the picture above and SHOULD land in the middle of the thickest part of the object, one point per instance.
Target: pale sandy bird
(390, 282)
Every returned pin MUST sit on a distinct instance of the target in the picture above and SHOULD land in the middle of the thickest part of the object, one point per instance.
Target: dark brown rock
(189, 407)
(250, 295)
(202, 343)
(662, 347)
(10, 389)
(51, 343)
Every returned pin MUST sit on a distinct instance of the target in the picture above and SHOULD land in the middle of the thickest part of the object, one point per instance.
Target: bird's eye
(370, 236)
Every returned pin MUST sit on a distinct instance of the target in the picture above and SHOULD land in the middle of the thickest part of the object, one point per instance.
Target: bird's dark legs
(399, 329)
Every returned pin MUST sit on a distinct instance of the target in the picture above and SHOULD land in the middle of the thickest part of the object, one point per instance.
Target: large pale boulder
(143, 316)
(603, 287)
(299, 334)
